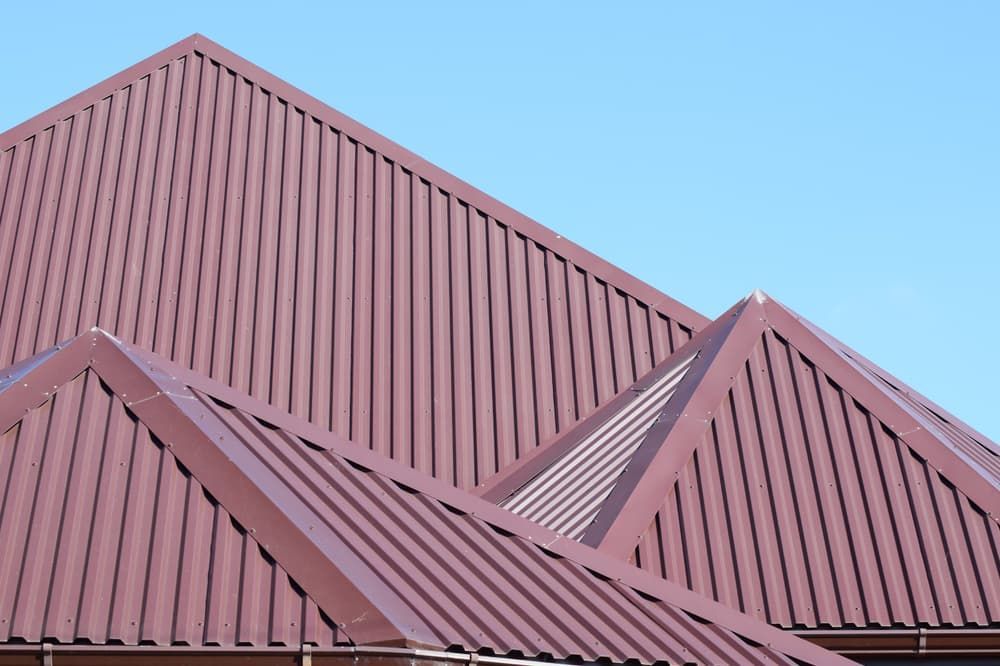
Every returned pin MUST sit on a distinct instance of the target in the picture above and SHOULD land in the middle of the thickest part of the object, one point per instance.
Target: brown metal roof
(791, 479)
(567, 494)
(94, 520)
(205, 210)
(128, 479)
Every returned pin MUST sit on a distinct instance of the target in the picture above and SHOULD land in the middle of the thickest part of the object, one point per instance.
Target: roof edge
(465, 191)
(502, 485)
(508, 481)
(669, 444)
(171, 412)
(556, 544)
(870, 366)
(914, 431)
(96, 92)
(927, 642)
(576, 254)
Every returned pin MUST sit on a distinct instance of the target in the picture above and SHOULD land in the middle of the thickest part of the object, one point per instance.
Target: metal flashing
(378, 515)
(786, 478)
(201, 208)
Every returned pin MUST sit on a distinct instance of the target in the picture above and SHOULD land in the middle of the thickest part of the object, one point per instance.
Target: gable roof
(95, 517)
(785, 477)
(566, 495)
(201, 208)
(389, 555)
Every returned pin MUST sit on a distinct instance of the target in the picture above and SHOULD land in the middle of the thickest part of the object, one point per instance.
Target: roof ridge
(912, 428)
(500, 518)
(669, 444)
(503, 484)
(904, 388)
(168, 381)
(442, 179)
(191, 434)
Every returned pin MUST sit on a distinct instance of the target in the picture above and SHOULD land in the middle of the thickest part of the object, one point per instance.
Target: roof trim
(31, 383)
(671, 441)
(502, 485)
(127, 378)
(636, 498)
(926, 642)
(445, 181)
(195, 437)
(869, 366)
(97, 92)
(914, 430)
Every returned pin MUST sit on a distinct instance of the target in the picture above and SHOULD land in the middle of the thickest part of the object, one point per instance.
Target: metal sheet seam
(507, 522)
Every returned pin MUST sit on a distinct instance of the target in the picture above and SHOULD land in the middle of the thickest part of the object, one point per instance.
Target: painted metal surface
(793, 480)
(201, 208)
(443, 568)
(972, 445)
(804, 509)
(566, 495)
(105, 538)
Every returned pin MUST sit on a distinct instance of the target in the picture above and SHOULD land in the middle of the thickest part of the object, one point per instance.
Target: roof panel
(565, 496)
(793, 480)
(205, 210)
(852, 528)
(105, 537)
(975, 447)
(387, 552)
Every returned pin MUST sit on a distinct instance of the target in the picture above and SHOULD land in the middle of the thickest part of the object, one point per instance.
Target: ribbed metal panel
(800, 507)
(106, 539)
(984, 453)
(565, 496)
(128, 482)
(206, 218)
(472, 585)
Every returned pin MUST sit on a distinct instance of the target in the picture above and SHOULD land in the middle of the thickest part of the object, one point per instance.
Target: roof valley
(265, 490)
(777, 442)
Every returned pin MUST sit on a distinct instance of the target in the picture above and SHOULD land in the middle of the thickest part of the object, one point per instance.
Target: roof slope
(566, 495)
(389, 555)
(94, 518)
(783, 477)
(207, 211)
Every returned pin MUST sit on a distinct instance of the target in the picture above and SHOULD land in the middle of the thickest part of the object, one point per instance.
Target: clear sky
(842, 156)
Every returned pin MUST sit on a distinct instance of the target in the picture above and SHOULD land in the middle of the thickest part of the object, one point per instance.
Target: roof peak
(166, 398)
(99, 331)
(722, 350)
(315, 107)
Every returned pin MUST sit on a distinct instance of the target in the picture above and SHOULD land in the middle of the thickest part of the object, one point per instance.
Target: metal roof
(135, 472)
(792, 479)
(205, 210)
(565, 496)
(94, 520)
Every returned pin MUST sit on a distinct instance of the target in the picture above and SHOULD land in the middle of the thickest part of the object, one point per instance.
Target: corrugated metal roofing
(565, 496)
(851, 529)
(201, 208)
(971, 444)
(388, 553)
(105, 537)
(975, 447)
(786, 479)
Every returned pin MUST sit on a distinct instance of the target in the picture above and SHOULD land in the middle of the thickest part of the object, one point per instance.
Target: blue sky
(842, 156)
